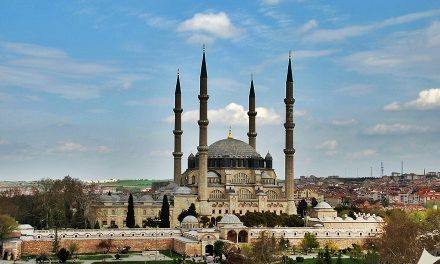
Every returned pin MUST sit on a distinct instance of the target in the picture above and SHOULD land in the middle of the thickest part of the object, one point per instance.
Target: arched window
(216, 194)
(271, 195)
(245, 194)
(240, 178)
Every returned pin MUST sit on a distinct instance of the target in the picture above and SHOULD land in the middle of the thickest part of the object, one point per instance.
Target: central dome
(232, 148)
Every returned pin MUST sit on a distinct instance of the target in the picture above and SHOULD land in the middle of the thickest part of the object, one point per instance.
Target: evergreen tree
(192, 210)
(302, 208)
(165, 213)
(314, 202)
(96, 225)
(130, 222)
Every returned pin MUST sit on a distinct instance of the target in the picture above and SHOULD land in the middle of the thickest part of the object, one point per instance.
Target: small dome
(322, 205)
(348, 218)
(190, 219)
(230, 219)
(182, 190)
(212, 174)
(146, 198)
(338, 218)
(265, 175)
(268, 156)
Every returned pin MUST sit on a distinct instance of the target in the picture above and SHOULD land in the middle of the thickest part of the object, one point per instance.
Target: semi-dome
(182, 190)
(233, 148)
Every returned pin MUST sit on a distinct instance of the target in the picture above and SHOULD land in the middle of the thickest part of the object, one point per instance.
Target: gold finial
(204, 48)
(230, 132)
(178, 72)
(290, 54)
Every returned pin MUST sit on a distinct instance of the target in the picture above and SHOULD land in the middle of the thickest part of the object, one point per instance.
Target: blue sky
(86, 87)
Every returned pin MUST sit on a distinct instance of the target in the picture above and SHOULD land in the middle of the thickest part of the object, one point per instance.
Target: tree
(314, 202)
(105, 245)
(302, 208)
(63, 255)
(283, 244)
(265, 250)
(204, 220)
(73, 248)
(165, 213)
(130, 221)
(191, 211)
(7, 226)
(309, 242)
(399, 241)
(56, 243)
(218, 249)
(96, 225)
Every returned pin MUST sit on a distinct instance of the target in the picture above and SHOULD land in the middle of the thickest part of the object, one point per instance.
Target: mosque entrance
(243, 236)
(232, 236)
(209, 250)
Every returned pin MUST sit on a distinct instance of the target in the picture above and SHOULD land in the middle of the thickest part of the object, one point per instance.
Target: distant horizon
(87, 88)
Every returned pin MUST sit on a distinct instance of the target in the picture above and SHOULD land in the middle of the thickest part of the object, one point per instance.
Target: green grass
(344, 261)
(100, 256)
(137, 262)
(129, 183)
(171, 254)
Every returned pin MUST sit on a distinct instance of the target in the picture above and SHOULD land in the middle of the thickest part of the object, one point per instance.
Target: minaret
(289, 151)
(252, 134)
(203, 139)
(177, 153)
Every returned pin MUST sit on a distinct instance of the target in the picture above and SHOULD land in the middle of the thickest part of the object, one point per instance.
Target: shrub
(63, 255)
(299, 259)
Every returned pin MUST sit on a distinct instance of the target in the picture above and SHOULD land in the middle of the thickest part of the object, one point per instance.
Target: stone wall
(35, 247)
(185, 248)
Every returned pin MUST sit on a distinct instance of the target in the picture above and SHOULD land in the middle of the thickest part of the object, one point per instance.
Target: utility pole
(381, 168)
(371, 171)
(401, 169)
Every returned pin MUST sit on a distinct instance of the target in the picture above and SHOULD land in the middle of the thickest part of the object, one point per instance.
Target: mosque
(228, 176)
(225, 179)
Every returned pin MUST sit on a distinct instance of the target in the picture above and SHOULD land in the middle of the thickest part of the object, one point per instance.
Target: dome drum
(231, 153)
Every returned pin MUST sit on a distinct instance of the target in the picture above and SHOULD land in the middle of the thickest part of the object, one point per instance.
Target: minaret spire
(252, 134)
(177, 153)
(203, 138)
(289, 151)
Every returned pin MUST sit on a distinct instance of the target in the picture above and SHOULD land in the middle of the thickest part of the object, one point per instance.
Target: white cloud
(329, 35)
(363, 154)
(427, 100)
(232, 114)
(394, 106)
(309, 25)
(103, 149)
(53, 71)
(328, 144)
(69, 146)
(395, 129)
(271, 2)
(32, 50)
(413, 53)
(161, 153)
(205, 27)
(72, 147)
(344, 122)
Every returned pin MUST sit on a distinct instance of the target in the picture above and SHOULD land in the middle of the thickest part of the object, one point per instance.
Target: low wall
(35, 247)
